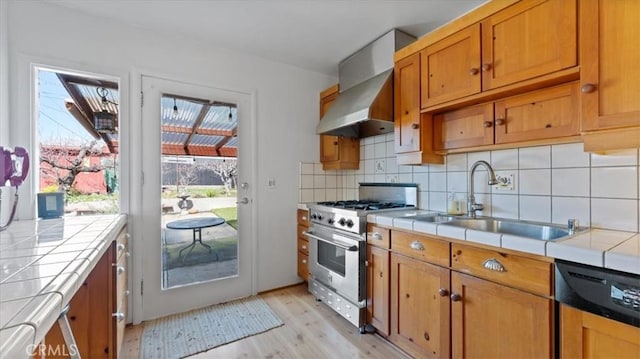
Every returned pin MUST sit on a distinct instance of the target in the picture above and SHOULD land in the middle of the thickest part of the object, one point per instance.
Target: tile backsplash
(551, 183)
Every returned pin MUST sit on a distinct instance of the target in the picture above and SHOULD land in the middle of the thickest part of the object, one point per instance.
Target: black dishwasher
(605, 292)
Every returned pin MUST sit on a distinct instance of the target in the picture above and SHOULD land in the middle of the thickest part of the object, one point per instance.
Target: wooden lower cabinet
(585, 335)
(378, 276)
(419, 307)
(495, 321)
(303, 244)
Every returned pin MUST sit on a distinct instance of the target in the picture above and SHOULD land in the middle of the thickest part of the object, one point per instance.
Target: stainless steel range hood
(364, 106)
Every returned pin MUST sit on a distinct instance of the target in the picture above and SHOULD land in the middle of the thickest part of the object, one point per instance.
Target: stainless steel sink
(523, 229)
(432, 217)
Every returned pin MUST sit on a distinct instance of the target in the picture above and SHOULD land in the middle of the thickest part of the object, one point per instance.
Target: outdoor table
(195, 224)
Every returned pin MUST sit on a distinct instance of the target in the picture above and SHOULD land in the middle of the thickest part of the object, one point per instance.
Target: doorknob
(243, 200)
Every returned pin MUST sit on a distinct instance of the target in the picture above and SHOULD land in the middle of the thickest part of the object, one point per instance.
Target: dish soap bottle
(454, 206)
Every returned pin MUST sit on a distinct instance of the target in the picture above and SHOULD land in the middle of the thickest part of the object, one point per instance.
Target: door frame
(136, 176)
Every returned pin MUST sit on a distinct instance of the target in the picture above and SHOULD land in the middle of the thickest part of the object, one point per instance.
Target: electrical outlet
(380, 166)
(271, 183)
(392, 178)
(506, 181)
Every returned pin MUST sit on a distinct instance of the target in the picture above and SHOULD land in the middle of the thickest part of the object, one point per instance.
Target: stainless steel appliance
(337, 245)
(604, 292)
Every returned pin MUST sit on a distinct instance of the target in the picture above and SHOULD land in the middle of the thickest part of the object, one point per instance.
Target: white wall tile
(331, 181)
(391, 150)
(381, 178)
(473, 157)
(359, 178)
(438, 181)
(369, 167)
(614, 182)
(480, 181)
(391, 178)
(570, 182)
(564, 208)
(437, 168)
(423, 200)
(317, 169)
(319, 181)
(367, 140)
(405, 169)
(534, 157)
(405, 178)
(535, 208)
(319, 195)
(422, 179)
(306, 181)
(306, 168)
(349, 181)
(360, 169)
(390, 136)
(392, 165)
(339, 181)
(306, 195)
(615, 158)
(484, 198)
(380, 138)
(534, 182)
(504, 159)
(457, 182)
(457, 162)
(569, 155)
(331, 194)
(369, 178)
(369, 152)
(421, 169)
(438, 201)
(504, 206)
(380, 150)
(617, 214)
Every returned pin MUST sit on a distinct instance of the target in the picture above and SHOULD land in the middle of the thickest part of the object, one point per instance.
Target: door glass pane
(198, 193)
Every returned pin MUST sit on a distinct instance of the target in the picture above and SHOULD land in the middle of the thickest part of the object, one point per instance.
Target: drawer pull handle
(376, 236)
(417, 245)
(304, 247)
(119, 316)
(120, 269)
(494, 265)
(304, 261)
(304, 218)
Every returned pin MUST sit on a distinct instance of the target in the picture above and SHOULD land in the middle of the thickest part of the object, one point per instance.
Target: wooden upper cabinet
(451, 67)
(466, 127)
(494, 321)
(527, 40)
(407, 104)
(542, 114)
(610, 74)
(337, 152)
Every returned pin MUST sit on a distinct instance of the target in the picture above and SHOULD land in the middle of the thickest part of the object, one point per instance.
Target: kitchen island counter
(43, 263)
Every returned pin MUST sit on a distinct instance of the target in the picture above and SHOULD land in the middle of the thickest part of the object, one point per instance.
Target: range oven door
(337, 261)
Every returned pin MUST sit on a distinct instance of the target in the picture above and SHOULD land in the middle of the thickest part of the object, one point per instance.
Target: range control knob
(314, 216)
(342, 221)
(349, 223)
(330, 220)
(320, 217)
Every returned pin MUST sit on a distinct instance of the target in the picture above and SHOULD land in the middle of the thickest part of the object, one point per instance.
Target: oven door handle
(338, 244)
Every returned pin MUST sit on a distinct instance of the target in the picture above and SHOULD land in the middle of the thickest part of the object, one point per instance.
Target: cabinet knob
(415, 126)
(120, 247)
(499, 121)
(304, 261)
(474, 71)
(335, 143)
(304, 247)
(588, 88)
(120, 269)
(487, 124)
(486, 67)
(304, 218)
(128, 236)
(119, 316)
(456, 297)
(443, 292)
(381, 275)
(376, 236)
(426, 336)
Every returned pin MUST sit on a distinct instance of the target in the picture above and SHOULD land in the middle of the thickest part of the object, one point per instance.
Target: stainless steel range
(337, 245)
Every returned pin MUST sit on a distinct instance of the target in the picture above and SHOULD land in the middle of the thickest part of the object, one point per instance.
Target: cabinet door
(303, 266)
(528, 39)
(588, 336)
(407, 104)
(329, 146)
(420, 307)
(450, 68)
(493, 321)
(466, 127)
(378, 288)
(548, 113)
(609, 55)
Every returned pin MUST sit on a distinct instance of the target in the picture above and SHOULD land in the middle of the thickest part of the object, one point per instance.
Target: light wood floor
(310, 330)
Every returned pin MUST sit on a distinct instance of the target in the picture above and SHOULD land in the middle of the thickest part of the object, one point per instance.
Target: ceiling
(311, 34)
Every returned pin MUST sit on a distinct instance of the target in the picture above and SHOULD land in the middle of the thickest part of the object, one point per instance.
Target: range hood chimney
(364, 106)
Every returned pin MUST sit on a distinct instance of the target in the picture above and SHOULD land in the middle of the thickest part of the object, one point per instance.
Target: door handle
(243, 200)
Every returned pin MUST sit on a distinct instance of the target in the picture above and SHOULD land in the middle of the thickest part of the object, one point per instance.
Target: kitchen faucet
(472, 206)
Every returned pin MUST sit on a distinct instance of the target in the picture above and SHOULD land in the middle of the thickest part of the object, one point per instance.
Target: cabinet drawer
(303, 217)
(420, 247)
(517, 271)
(303, 266)
(303, 245)
(378, 236)
(302, 229)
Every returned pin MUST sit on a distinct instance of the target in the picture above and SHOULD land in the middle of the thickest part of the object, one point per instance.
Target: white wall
(287, 104)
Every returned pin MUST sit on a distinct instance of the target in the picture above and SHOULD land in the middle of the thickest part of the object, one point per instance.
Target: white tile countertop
(597, 247)
(42, 264)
